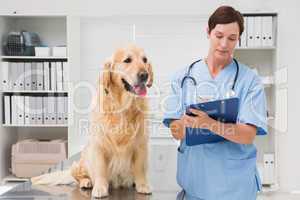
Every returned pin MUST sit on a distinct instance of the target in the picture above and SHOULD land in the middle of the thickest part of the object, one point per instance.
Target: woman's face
(223, 39)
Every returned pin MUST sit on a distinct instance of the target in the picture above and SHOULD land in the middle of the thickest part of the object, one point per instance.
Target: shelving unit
(264, 60)
(52, 31)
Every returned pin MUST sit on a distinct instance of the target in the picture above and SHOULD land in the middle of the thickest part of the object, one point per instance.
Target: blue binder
(225, 110)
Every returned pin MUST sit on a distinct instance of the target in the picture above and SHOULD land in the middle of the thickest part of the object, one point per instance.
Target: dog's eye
(127, 60)
(144, 59)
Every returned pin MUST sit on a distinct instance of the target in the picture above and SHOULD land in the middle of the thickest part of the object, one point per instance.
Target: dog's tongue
(140, 90)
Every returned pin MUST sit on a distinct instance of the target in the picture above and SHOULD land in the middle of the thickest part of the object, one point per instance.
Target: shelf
(267, 81)
(270, 118)
(13, 178)
(256, 48)
(271, 188)
(35, 125)
(34, 58)
(57, 35)
(34, 91)
(274, 14)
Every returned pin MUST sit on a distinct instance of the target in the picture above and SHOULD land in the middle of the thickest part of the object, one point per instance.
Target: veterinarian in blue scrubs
(223, 170)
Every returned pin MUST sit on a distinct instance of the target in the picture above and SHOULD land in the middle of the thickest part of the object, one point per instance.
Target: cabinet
(23, 84)
(261, 56)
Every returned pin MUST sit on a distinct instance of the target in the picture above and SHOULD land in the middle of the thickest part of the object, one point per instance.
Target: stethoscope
(230, 93)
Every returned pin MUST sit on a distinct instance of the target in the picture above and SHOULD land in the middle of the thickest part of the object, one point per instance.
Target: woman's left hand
(201, 120)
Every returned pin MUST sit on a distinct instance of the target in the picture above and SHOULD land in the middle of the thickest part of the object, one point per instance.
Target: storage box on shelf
(32, 157)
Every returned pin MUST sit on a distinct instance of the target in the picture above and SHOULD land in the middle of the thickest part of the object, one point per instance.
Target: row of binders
(30, 76)
(31, 110)
(258, 32)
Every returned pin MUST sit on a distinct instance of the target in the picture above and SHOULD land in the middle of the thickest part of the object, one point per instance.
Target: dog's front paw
(100, 191)
(85, 183)
(143, 188)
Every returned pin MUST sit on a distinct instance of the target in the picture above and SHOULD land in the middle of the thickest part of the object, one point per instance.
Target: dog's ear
(150, 71)
(106, 78)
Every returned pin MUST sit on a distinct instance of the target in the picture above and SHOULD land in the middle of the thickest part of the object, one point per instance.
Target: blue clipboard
(225, 110)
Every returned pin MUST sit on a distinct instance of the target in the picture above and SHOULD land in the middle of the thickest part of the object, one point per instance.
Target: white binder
(53, 76)
(26, 110)
(20, 76)
(59, 73)
(270, 31)
(244, 34)
(267, 30)
(60, 109)
(27, 76)
(40, 76)
(7, 111)
(250, 34)
(52, 109)
(39, 110)
(269, 168)
(46, 76)
(14, 110)
(5, 76)
(65, 76)
(32, 115)
(257, 31)
(20, 109)
(65, 110)
(14, 75)
(33, 76)
(47, 117)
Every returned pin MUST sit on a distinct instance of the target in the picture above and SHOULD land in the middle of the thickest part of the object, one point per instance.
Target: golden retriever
(117, 151)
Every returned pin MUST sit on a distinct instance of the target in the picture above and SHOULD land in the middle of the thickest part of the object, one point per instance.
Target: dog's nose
(143, 76)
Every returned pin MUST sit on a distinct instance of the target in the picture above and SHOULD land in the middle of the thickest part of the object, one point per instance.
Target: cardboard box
(32, 157)
(42, 51)
(59, 51)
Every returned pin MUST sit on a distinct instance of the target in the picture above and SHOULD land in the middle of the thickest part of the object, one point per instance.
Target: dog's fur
(117, 152)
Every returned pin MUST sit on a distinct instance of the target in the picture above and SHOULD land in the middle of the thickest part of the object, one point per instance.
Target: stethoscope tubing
(188, 75)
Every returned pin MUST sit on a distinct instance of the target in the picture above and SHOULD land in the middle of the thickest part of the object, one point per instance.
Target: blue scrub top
(223, 170)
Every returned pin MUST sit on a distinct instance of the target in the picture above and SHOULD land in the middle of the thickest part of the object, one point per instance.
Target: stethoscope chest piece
(230, 93)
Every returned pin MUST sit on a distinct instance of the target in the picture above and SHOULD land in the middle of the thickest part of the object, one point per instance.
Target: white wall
(288, 49)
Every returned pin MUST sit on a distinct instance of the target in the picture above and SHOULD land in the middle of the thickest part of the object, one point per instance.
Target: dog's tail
(54, 178)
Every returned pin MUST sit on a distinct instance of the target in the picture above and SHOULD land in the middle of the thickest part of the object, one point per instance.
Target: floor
(26, 191)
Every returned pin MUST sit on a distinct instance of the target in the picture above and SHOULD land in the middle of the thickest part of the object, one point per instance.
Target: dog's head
(130, 69)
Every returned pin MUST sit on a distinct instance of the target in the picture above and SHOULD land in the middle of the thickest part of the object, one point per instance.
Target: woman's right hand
(178, 129)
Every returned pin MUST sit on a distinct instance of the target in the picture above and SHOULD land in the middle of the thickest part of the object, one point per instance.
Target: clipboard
(224, 110)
